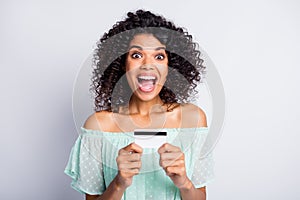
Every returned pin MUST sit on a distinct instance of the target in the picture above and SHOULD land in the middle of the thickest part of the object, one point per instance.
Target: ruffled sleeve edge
(204, 184)
(74, 176)
(72, 168)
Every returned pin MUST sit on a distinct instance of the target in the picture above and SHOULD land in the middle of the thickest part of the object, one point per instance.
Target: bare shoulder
(194, 112)
(98, 121)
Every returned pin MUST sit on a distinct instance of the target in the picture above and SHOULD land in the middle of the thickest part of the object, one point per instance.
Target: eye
(136, 55)
(160, 57)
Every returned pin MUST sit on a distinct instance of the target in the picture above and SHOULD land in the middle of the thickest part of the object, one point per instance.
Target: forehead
(146, 41)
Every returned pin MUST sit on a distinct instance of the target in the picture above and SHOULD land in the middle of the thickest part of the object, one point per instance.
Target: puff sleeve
(85, 165)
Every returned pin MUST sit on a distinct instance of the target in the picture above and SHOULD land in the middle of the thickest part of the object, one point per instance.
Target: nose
(147, 66)
(147, 63)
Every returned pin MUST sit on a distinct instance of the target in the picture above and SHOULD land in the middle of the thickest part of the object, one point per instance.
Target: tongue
(146, 85)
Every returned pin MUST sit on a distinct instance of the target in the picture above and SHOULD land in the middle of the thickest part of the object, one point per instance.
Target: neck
(136, 106)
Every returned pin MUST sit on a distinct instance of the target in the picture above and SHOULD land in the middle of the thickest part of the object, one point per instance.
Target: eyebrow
(141, 48)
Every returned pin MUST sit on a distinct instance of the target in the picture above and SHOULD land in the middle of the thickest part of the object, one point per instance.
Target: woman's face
(146, 66)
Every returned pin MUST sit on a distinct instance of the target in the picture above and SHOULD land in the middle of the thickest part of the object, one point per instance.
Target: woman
(146, 70)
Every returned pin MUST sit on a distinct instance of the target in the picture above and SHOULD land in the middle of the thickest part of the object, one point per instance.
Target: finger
(170, 171)
(172, 163)
(132, 147)
(131, 172)
(166, 147)
(128, 158)
(172, 156)
(124, 152)
(131, 165)
(162, 148)
(134, 171)
(134, 157)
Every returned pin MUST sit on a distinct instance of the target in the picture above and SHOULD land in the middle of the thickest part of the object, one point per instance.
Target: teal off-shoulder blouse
(92, 163)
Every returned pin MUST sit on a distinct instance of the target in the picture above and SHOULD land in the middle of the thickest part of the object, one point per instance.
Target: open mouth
(146, 83)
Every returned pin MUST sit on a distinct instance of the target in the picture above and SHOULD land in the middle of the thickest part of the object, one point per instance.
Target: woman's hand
(129, 164)
(172, 161)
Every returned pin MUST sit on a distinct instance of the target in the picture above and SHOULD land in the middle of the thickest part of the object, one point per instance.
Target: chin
(147, 96)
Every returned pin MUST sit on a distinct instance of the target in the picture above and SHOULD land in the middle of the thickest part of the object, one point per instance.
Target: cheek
(129, 74)
(127, 65)
(164, 74)
(164, 70)
(131, 64)
(130, 69)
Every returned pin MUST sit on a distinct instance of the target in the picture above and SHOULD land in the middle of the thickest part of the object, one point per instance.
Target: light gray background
(254, 44)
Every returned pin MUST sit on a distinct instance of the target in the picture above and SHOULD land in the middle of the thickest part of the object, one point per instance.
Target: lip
(147, 76)
(150, 75)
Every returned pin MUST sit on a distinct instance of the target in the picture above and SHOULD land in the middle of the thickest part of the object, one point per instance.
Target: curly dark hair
(109, 84)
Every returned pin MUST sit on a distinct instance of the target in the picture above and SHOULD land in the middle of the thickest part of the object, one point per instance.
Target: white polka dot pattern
(92, 164)
(203, 171)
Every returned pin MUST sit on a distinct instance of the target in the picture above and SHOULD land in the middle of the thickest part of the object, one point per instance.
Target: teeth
(147, 77)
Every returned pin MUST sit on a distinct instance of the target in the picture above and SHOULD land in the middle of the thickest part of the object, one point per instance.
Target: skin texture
(129, 163)
(109, 66)
(147, 56)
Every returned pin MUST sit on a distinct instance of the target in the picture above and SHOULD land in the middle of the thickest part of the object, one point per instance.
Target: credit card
(150, 138)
